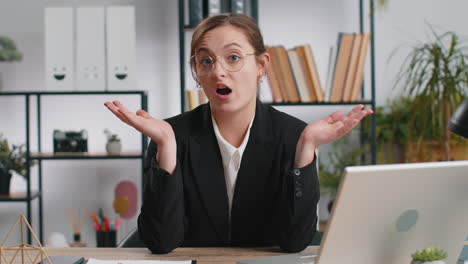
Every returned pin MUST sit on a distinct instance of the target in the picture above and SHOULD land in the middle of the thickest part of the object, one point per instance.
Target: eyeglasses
(203, 64)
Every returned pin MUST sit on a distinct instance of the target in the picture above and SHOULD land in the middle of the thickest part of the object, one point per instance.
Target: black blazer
(273, 204)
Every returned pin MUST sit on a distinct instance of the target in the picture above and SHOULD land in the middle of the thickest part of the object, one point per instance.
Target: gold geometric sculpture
(25, 249)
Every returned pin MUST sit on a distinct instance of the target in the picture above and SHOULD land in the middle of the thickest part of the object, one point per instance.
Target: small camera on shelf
(70, 141)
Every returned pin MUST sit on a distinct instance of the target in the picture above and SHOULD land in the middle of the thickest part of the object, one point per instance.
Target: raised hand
(158, 130)
(325, 131)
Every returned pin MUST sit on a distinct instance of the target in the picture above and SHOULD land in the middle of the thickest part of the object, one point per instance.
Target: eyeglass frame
(215, 59)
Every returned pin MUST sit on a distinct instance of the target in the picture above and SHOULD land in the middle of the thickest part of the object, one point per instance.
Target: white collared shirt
(232, 158)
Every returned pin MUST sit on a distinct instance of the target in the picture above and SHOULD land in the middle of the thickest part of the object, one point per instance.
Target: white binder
(120, 32)
(59, 48)
(90, 51)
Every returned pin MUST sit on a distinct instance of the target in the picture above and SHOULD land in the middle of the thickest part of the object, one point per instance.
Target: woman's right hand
(158, 130)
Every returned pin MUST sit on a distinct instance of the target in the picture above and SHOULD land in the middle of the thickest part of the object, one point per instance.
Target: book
(201, 97)
(312, 69)
(344, 54)
(195, 12)
(279, 77)
(330, 72)
(352, 67)
(299, 76)
(308, 76)
(192, 101)
(237, 6)
(357, 85)
(212, 7)
(265, 92)
(272, 77)
(287, 75)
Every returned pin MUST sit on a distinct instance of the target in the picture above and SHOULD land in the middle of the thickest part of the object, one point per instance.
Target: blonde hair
(244, 22)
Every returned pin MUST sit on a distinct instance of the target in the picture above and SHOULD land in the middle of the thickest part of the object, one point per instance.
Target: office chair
(317, 239)
(131, 240)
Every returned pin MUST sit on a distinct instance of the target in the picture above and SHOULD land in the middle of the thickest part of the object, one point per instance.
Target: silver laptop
(384, 213)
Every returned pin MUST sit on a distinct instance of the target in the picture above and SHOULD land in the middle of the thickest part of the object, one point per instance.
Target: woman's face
(229, 87)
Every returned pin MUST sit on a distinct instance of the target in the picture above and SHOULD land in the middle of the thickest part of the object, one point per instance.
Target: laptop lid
(384, 213)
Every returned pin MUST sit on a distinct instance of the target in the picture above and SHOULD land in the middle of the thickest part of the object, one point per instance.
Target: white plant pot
(428, 262)
(113, 147)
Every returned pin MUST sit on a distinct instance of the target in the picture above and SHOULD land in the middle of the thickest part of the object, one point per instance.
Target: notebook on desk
(384, 213)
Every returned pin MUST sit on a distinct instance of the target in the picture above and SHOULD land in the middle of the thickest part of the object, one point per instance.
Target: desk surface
(201, 255)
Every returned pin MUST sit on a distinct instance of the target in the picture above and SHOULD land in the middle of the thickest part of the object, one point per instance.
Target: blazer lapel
(258, 154)
(209, 173)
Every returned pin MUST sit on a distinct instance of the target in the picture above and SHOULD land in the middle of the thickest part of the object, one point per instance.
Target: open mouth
(223, 91)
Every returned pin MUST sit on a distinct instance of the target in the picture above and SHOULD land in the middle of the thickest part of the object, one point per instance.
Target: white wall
(403, 24)
(89, 184)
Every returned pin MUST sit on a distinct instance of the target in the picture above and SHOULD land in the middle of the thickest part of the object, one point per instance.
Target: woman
(269, 192)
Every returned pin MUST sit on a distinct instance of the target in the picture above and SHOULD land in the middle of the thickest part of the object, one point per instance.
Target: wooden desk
(201, 255)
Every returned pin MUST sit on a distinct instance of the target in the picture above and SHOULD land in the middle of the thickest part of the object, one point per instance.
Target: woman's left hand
(325, 131)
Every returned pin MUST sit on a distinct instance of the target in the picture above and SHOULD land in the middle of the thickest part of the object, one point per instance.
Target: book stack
(199, 9)
(194, 98)
(293, 75)
(349, 67)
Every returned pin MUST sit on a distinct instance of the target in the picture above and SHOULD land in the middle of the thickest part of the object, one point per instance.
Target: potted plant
(113, 145)
(8, 52)
(331, 172)
(434, 78)
(429, 255)
(12, 159)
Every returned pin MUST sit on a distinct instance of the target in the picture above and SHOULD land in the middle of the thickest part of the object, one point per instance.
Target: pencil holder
(106, 238)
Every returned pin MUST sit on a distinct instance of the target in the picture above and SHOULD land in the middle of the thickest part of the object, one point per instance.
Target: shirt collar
(227, 150)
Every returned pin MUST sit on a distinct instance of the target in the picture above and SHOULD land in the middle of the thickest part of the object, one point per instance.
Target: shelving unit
(30, 195)
(183, 28)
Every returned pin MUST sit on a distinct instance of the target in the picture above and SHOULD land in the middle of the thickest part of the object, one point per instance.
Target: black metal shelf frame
(39, 94)
(20, 199)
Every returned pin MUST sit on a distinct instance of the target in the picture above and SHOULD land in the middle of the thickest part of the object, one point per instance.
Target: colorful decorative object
(126, 191)
(121, 204)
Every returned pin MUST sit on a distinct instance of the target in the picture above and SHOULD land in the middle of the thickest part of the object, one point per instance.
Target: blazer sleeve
(297, 212)
(298, 198)
(161, 220)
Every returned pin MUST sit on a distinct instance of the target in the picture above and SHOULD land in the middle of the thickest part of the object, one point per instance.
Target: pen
(106, 223)
(117, 223)
(94, 218)
(101, 215)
